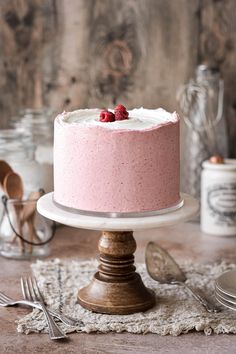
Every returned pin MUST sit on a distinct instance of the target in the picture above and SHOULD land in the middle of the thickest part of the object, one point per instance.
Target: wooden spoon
(28, 215)
(4, 170)
(13, 187)
(29, 208)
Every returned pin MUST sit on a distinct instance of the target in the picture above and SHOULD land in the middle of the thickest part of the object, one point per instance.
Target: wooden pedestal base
(116, 288)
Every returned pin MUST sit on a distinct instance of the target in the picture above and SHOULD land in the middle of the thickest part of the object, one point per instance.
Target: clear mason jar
(24, 233)
(17, 149)
(38, 124)
(202, 103)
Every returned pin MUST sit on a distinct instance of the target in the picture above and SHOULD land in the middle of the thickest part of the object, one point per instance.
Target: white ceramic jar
(218, 198)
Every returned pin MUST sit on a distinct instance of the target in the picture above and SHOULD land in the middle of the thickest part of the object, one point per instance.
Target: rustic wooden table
(184, 241)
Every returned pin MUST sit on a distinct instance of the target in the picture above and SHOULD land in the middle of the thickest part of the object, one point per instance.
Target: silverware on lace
(6, 301)
(163, 268)
(31, 292)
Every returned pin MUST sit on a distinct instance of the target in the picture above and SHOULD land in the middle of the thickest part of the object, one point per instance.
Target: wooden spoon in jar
(13, 187)
(5, 168)
(28, 215)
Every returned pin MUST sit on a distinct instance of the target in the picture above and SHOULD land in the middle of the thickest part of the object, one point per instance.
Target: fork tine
(31, 289)
(37, 290)
(35, 295)
(5, 297)
(23, 288)
(26, 289)
(2, 299)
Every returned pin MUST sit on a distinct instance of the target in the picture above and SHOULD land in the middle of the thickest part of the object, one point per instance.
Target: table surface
(183, 241)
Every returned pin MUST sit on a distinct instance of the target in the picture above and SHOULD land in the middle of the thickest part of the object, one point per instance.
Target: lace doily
(176, 311)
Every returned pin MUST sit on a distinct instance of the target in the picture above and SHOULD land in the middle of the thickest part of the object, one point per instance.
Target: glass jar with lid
(23, 234)
(18, 150)
(202, 103)
(38, 125)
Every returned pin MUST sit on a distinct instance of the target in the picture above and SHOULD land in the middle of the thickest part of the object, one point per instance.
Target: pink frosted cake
(120, 166)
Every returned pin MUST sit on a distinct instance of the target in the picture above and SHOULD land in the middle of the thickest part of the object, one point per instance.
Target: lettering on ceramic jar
(221, 201)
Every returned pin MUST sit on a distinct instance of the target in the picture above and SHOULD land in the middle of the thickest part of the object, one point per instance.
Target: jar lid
(228, 165)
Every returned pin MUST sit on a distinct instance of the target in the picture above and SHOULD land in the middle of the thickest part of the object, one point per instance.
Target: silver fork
(6, 301)
(31, 292)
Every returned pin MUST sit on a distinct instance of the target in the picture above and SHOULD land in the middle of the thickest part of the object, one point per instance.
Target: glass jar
(24, 233)
(17, 149)
(201, 101)
(38, 124)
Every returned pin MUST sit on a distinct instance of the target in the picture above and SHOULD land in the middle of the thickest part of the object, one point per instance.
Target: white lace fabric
(175, 312)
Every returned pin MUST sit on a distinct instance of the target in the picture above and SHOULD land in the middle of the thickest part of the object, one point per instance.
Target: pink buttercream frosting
(110, 167)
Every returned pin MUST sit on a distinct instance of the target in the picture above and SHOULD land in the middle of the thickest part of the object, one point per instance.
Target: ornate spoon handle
(208, 305)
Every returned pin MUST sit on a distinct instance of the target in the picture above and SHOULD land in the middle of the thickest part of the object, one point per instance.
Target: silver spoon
(163, 268)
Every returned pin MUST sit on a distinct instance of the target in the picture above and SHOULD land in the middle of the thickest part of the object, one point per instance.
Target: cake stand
(116, 288)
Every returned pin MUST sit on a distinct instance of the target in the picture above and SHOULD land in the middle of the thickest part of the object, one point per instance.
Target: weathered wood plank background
(84, 53)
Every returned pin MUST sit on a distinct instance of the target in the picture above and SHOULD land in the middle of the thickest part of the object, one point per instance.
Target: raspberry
(120, 107)
(121, 112)
(106, 116)
(121, 115)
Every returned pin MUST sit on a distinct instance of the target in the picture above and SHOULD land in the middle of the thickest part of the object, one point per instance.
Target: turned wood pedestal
(116, 288)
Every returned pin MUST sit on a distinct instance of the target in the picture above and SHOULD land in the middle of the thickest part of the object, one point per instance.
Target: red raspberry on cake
(107, 116)
(120, 107)
(121, 112)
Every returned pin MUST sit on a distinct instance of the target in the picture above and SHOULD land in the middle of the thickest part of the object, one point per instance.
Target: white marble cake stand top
(47, 208)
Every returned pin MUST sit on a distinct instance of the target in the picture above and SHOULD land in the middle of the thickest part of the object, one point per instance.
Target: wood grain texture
(80, 53)
(116, 288)
(24, 37)
(218, 47)
(86, 53)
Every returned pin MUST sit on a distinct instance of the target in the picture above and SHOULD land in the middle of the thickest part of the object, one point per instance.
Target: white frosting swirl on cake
(139, 118)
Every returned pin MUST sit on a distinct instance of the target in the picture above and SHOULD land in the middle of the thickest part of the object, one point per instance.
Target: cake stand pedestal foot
(116, 288)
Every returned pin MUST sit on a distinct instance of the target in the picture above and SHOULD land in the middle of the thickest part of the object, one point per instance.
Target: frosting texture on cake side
(122, 166)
